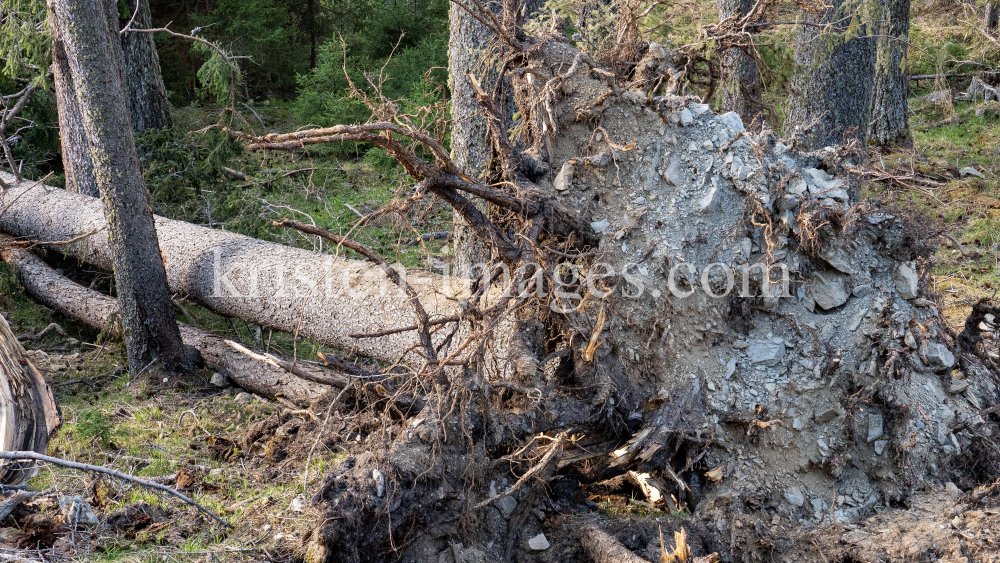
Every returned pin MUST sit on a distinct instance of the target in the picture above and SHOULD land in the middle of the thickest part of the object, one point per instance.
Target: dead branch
(35, 456)
(43, 333)
(604, 548)
(542, 470)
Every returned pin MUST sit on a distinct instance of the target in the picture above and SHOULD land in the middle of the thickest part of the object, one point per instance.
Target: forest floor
(203, 436)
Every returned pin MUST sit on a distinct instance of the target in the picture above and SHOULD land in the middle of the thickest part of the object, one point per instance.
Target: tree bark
(604, 548)
(831, 94)
(469, 146)
(144, 88)
(889, 124)
(740, 90)
(149, 327)
(101, 312)
(29, 414)
(324, 298)
(75, 153)
(991, 19)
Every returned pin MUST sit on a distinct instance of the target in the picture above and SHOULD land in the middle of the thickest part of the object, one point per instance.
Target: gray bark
(740, 89)
(889, 124)
(75, 154)
(469, 146)
(28, 411)
(147, 95)
(150, 330)
(101, 312)
(831, 93)
(320, 297)
(991, 18)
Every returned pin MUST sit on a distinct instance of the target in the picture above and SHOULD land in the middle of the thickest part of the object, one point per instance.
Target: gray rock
(765, 352)
(822, 417)
(298, 504)
(219, 380)
(939, 356)
(507, 506)
(600, 227)
(539, 542)
(798, 187)
(243, 398)
(686, 117)
(709, 203)
(839, 258)
(958, 386)
(906, 278)
(829, 289)
(794, 496)
(700, 109)
(874, 426)
(824, 449)
(673, 173)
(880, 446)
(76, 510)
(732, 121)
(564, 180)
(970, 171)
(797, 423)
(952, 489)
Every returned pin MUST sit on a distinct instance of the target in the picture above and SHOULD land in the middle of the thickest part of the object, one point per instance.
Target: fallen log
(321, 297)
(29, 414)
(100, 311)
(604, 548)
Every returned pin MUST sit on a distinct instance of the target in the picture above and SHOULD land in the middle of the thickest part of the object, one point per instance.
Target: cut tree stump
(29, 414)
(100, 311)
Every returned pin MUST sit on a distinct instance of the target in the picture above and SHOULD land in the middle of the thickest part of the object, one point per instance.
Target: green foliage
(264, 30)
(324, 97)
(93, 424)
(24, 39)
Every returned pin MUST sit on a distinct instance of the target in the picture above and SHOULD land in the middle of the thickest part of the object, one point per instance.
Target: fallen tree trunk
(321, 297)
(100, 311)
(29, 414)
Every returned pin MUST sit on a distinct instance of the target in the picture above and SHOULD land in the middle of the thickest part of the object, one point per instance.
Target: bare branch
(114, 473)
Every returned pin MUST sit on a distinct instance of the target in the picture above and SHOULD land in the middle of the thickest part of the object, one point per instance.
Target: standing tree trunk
(889, 108)
(992, 17)
(146, 95)
(149, 327)
(144, 88)
(469, 146)
(831, 93)
(740, 88)
(75, 154)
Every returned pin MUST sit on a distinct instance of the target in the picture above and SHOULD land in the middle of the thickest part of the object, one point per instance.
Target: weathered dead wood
(29, 414)
(320, 297)
(604, 548)
(100, 311)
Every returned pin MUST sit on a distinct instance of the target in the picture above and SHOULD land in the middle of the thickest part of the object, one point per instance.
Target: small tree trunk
(831, 98)
(992, 17)
(889, 124)
(740, 88)
(469, 146)
(150, 330)
(28, 411)
(144, 88)
(75, 154)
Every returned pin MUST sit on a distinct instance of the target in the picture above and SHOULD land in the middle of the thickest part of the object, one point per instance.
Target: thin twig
(35, 456)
